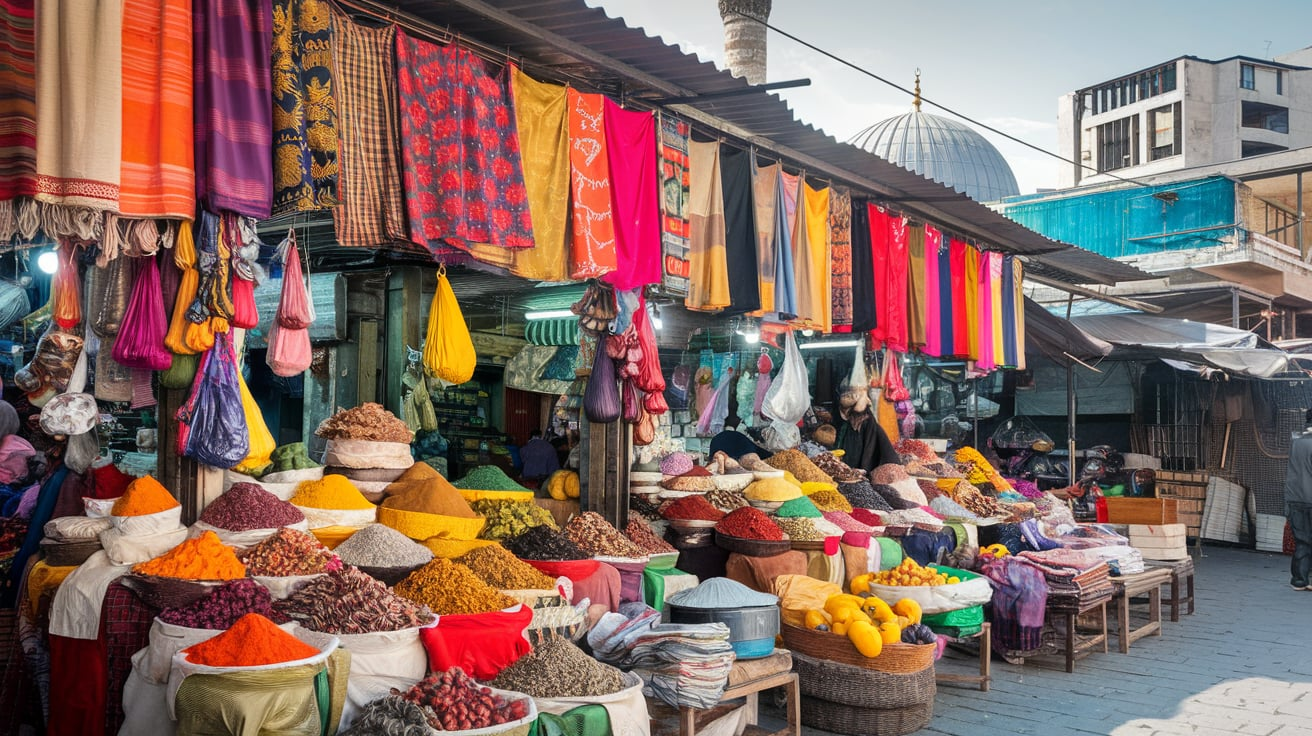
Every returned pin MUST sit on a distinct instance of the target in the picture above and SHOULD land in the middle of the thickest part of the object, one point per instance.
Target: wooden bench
(1073, 645)
(985, 639)
(747, 679)
(1148, 583)
(1182, 584)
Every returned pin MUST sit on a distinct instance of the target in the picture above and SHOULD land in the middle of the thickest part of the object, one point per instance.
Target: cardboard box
(1160, 542)
(1155, 511)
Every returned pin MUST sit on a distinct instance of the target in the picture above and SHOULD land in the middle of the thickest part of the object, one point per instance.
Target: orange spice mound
(252, 641)
(202, 558)
(144, 496)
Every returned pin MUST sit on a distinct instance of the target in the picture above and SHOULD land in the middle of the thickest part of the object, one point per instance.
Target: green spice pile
(498, 568)
(449, 588)
(800, 507)
(558, 669)
(506, 519)
(488, 478)
(594, 535)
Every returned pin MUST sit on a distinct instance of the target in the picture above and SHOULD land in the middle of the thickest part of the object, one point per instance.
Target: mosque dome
(943, 150)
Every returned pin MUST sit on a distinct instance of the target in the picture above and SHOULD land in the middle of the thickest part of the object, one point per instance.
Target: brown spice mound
(503, 571)
(369, 421)
(448, 588)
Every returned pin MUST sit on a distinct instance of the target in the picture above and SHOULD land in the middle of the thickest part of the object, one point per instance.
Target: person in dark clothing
(539, 458)
(864, 443)
(1298, 506)
(736, 444)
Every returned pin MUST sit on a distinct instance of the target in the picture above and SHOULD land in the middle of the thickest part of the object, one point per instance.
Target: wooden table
(985, 638)
(1182, 574)
(751, 690)
(1076, 646)
(1149, 582)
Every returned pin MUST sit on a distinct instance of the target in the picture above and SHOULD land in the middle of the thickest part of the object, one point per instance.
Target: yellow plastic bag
(448, 349)
(799, 594)
(262, 444)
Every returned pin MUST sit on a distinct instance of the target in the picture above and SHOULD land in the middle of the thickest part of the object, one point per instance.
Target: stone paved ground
(1241, 665)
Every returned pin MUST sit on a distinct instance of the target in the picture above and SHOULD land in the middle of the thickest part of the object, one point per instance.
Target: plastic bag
(601, 398)
(244, 313)
(644, 432)
(181, 373)
(448, 348)
(140, 343)
(290, 352)
(789, 395)
(217, 434)
(109, 289)
(262, 444)
(649, 378)
(711, 421)
(895, 389)
(184, 257)
(66, 294)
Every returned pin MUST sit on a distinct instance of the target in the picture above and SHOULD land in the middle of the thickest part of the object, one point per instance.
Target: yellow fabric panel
(708, 269)
(814, 295)
(541, 115)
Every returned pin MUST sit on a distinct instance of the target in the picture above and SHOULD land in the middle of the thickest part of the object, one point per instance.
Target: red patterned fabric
(124, 630)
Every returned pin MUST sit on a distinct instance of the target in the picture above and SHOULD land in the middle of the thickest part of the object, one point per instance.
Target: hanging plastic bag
(262, 445)
(181, 373)
(601, 398)
(290, 352)
(895, 389)
(632, 406)
(184, 256)
(764, 365)
(649, 378)
(244, 313)
(711, 421)
(140, 344)
(789, 394)
(109, 289)
(644, 432)
(66, 298)
(448, 348)
(217, 431)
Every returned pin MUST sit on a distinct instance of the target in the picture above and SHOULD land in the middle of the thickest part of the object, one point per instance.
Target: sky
(1004, 63)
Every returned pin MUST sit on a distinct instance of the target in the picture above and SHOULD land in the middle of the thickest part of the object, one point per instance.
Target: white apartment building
(1185, 113)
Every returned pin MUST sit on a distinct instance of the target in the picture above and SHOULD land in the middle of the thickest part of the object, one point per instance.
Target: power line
(940, 106)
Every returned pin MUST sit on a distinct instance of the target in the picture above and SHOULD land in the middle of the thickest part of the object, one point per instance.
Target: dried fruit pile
(454, 702)
(348, 601)
(594, 535)
(222, 607)
(289, 552)
(368, 421)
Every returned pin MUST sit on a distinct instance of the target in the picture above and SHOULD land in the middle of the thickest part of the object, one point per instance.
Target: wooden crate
(1164, 542)
(1142, 511)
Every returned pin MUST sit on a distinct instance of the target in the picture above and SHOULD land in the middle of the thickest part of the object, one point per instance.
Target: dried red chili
(749, 523)
(691, 508)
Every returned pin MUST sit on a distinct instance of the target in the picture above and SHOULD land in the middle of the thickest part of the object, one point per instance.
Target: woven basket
(420, 526)
(861, 687)
(68, 554)
(751, 547)
(847, 719)
(900, 659)
(161, 593)
(388, 575)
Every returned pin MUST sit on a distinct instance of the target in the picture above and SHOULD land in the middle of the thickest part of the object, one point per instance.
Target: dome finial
(916, 102)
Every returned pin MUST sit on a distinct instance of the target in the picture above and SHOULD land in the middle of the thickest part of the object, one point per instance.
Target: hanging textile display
(933, 306)
(369, 211)
(79, 83)
(996, 290)
(592, 237)
(304, 111)
(184, 257)
(765, 187)
(1018, 301)
(708, 272)
(234, 115)
(674, 204)
(785, 218)
(917, 303)
(972, 302)
(986, 360)
(247, 273)
(1013, 313)
(864, 291)
(840, 244)
(891, 270)
(290, 352)
(541, 117)
(739, 229)
(140, 341)
(959, 300)
(157, 173)
(946, 300)
(811, 254)
(18, 104)
(464, 183)
(631, 149)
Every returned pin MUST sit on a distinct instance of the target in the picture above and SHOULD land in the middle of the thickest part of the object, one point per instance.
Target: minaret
(744, 37)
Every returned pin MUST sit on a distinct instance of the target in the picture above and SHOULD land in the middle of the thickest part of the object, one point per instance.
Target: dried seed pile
(726, 501)
(799, 465)
(640, 533)
(544, 543)
(558, 669)
(846, 522)
(223, 606)
(452, 701)
(594, 535)
(368, 421)
(379, 545)
(498, 568)
(830, 501)
(289, 552)
(348, 601)
(448, 588)
(837, 469)
(506, 519)
(246, 506)
(862, 496)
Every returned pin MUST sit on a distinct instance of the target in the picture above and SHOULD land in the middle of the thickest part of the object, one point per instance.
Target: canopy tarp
(1198, 345)
(1060, 340)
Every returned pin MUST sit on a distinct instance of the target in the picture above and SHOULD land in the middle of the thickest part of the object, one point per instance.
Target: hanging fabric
(79, 79)
(946, 300)
(840, 244)
(247, 273)
(464, 182)
(370, 211)
(933, 305)
(917, 296)
(1013, 312)
(631, 149)
(765, 186)
(18, 126)
(864, 290)
(601, 398)
(785, 218)
(66, 296)
(262, 444)
(811, 259)
(592, 237)
(986, 360)
(157, 173)
(448, 349)
(650, 378)
(739, 229)
(216, 433)
(1018, 300)
(996, 289)
(305, 112)
(972, 302)
(289, 352)
(675, 196)
(113, 380)
(234, 111)
(708, 271)
(140, 342)
(108, 290)
(184, 257)
(894, 299)
(959, 299)
(764, 365)
(541, 115)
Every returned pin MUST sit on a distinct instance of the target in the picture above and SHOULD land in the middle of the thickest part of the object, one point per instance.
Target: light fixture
(656, 321)
(807, 333)
(749, 330)
(549, 314)
(48, 262)
(829, 344)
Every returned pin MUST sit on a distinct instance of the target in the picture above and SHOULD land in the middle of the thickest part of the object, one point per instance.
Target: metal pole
(1298, 206)
(1234, 308)
(1070, 422)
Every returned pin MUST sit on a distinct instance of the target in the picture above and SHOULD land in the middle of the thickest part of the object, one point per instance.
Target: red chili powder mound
(750, 523)
(253, 641)
(692, 508)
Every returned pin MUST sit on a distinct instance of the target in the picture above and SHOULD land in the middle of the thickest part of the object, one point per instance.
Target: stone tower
(744, 37)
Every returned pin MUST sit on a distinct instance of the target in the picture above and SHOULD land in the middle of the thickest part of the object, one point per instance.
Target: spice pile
(144, 496)
(433, 495)
(289, 552)
(202, 558)
(221, 608)
(448, 587)
(498, 568)
(797, 508)
(368, 421)
(488, 478)
(915, 449)
(378, 545)
(251, 642)
(830, 501)
(558, 669)
(333, 492)
(691, 508)
(894, 499)
(862, 496)
(452, 701)
(676, 463)
(866, 516)
(846, 522)
(348, 601)
(835, 468)
(801, 529)
(771, 490)
(749, 523)
(544, 543)
(246, 506)
(594, 535)
(797, 463)
(696, 480)
(506, 519)
(726, 501)
(640, 533)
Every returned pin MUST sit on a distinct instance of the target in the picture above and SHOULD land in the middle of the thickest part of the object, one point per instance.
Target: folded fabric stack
(1121, 560)
(682, 664)
(1076, 579)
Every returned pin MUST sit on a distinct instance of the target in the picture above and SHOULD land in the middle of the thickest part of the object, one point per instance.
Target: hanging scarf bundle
(448, 348)
(140, 343)
(764, 365)
(246, 274)
(601, 398)
(202, 321)
(66, 299)
(649, 377)
(215, 422)
(184, 257)
(289, 351)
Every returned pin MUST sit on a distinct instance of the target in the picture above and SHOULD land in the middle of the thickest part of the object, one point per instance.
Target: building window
(1246, 76)
(1118, 144)
(1255, 148)
(1164, 129)
(1127, 90)
(1280, 82)
(1267, 117)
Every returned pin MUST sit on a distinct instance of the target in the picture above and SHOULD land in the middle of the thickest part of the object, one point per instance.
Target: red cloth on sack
(79, 676)
(481, 644)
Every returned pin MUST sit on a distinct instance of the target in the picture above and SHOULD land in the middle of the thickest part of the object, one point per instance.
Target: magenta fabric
(933, 318)
(895, 291)
(960, 320)
(463, 181)
(631, 147)
(985, 361)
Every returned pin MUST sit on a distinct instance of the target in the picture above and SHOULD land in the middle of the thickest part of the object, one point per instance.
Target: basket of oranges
(936, 588)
